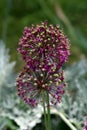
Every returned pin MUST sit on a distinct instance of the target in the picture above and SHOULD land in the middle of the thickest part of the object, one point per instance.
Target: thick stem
(48, 112)
(44, 107)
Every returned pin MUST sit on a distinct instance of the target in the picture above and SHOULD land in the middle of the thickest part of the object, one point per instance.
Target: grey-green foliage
(75, 100)
(74, 104)
(6, 75)
(6, 68)
(11, 107)
(7, 80)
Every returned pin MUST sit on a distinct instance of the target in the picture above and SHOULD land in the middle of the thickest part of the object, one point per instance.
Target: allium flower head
(44, 49)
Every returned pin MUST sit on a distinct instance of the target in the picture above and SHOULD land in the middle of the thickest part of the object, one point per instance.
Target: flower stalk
(44, 108)
(48, 112)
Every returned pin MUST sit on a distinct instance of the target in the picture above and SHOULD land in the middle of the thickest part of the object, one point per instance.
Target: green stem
(45, 117)
(48, 112)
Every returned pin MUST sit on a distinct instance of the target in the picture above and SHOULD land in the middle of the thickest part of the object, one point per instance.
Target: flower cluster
(44, 49)
(85, 124)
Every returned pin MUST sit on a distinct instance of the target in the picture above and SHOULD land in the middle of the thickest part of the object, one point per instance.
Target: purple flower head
(44, 49)
(31, 85)
(85, 124)
(43, 44)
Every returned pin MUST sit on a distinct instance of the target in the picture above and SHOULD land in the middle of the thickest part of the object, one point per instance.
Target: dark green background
(16, 14)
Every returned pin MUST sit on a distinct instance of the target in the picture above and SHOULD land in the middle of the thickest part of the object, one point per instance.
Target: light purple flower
(85, 124)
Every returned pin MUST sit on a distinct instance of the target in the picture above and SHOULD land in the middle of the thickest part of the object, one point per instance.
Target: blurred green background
(70, 14)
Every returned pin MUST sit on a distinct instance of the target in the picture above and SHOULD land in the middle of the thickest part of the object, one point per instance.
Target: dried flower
(44, 50)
